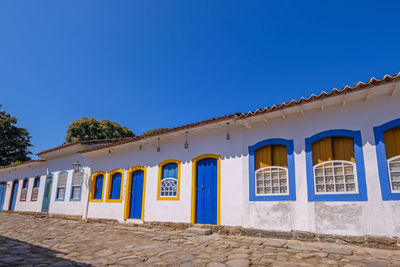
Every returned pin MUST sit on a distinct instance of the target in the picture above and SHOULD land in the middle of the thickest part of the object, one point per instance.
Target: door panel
(47, 193)
(2, 195)
(14, 193)
(136, 195)
(206, 191)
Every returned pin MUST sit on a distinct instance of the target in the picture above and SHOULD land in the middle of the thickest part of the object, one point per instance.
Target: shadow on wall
(16, 253)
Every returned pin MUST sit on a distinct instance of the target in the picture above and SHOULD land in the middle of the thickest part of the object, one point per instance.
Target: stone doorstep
(383, 242)
(199, 231)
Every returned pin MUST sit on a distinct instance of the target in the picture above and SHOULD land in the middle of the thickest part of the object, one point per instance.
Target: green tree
(14, 141)
(91, 129)
(158, 130)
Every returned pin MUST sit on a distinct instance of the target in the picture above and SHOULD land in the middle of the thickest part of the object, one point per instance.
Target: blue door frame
(206, 191)
(2, 194)
(14, 192)
(136, 195)
(47, 193)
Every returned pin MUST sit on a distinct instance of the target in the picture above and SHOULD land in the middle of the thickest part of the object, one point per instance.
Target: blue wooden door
(47, 193)
(14, 195)
(2, 195)
(206, 191)
(135, 208)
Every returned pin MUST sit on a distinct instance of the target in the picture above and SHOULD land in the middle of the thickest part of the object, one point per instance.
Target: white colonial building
(327, 164)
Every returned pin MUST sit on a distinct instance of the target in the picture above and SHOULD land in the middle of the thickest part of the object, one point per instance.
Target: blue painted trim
(359, 158)
(291, 170)
(66, 181)
(382, 160)
(80, 193)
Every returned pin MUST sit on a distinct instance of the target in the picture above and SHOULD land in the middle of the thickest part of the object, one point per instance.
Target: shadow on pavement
(15, 253)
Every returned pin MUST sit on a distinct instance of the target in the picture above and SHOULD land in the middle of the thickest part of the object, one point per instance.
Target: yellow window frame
(109, 180)
(93, 184)
(160, 166)
(128, 186)
(194, 181)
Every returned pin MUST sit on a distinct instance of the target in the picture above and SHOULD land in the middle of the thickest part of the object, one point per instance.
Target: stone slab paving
(29, 241)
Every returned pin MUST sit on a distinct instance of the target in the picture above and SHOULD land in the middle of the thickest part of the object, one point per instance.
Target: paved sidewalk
(25, 240)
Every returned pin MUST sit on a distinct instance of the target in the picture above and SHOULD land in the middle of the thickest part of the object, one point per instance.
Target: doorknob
(202, 187)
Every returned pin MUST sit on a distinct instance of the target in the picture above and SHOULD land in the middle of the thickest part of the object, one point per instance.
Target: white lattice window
(62, 180)
(394, 173)
(35, 190)
(272, 180)
(336, 176)
(24, 190)
(169, 187)
(77, 186)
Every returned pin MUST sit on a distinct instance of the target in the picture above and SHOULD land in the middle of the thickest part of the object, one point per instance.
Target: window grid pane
(394, 174)
(272, 181)
(169, 187)
(24, 192)
(62, 180)
(35, 193)
(76, 192)
(336, 176)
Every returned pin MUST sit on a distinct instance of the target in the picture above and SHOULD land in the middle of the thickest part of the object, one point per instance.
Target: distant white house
(327, 164)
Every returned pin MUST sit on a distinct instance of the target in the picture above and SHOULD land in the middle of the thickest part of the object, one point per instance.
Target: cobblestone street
(30, 241)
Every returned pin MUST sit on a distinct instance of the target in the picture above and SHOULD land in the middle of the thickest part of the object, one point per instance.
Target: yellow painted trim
(128, 186)
(92, 186)
(194, 180)
(160, 165)
(109, 176)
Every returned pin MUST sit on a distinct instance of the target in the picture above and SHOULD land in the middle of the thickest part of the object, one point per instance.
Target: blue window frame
(291, 170)
(76, 186)
(359, 161)
(61, 185)
(379, 131)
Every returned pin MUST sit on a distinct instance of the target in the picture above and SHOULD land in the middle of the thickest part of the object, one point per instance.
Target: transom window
(62, 181)
(76, 186)
(334, 166)
(271, 171)
(35, 190)
(24, 190)
(169, 180)
(392, 148)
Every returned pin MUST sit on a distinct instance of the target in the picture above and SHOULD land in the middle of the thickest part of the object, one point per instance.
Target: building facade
(328, 164)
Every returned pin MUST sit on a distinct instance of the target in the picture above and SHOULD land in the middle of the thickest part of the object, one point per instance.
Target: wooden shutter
(279, 156)
(77, 179)
(263, 157)
(333, 148)
(62, 179)
(322, 150)
(274, 155)
(392, 142)
(343, 148)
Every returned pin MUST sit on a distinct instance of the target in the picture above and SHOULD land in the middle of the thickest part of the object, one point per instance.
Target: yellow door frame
(194, 182)
(127, 191)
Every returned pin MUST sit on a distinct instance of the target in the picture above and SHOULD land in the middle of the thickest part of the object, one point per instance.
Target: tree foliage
(158, 130)
(91, 129)
(14, 141)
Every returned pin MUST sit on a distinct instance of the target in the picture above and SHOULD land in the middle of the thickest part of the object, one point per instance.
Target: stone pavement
(26, 240)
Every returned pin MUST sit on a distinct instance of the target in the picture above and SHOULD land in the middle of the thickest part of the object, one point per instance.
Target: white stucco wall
(374, 216)
(353, 218)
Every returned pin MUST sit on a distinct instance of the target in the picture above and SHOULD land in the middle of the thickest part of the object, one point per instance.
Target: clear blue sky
(149, 64)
